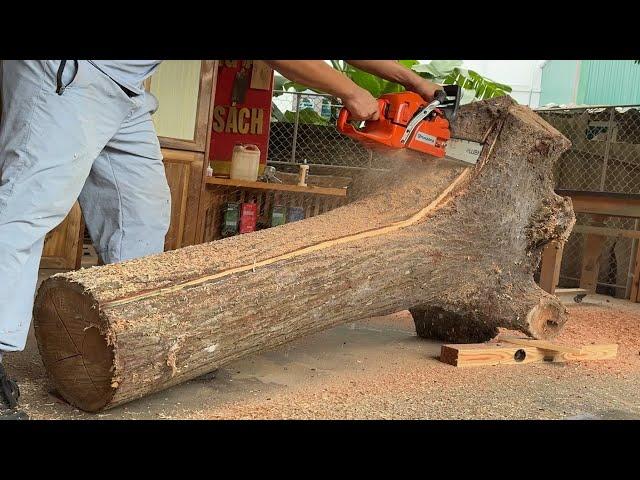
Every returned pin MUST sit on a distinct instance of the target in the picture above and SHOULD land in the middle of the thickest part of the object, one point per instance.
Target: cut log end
(546, 319)
(75, 353)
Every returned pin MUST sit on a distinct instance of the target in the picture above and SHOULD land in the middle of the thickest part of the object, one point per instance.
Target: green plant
(446, 72)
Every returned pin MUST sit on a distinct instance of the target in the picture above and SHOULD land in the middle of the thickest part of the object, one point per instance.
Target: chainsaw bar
(463, 151)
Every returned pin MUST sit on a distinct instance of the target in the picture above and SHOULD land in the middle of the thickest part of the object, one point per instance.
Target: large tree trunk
(460, 243)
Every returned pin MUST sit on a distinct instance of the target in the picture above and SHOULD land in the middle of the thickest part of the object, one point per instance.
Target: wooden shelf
(335, 192)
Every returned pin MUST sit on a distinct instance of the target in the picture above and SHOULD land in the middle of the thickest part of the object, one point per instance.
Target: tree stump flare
(459, 244)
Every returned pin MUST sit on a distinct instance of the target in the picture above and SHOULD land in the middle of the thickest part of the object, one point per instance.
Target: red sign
(241, 112)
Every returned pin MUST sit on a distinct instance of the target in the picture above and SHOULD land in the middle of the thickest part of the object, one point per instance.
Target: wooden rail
(600, 205)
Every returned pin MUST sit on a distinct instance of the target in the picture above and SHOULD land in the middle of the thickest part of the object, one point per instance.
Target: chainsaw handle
(344, 118)
(440, 95)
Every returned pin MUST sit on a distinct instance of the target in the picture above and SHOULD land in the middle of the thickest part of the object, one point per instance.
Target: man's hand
(424, 88)
(395, 72)
(361, 105)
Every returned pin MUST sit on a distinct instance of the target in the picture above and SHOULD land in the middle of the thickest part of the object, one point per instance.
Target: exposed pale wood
(541, 344)
(608, 232)
(337, 192)
(63, 245)
(483, 354)
(550, 266)
(302, 251)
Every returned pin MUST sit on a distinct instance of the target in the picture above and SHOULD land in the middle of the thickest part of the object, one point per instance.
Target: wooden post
(635, 283)
(591, 258)
(550, 266)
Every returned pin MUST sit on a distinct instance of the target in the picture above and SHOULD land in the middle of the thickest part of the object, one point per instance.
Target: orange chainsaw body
(396, 110)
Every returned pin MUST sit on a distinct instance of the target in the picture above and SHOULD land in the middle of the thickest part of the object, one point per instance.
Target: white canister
(303, 172)
(245, 163)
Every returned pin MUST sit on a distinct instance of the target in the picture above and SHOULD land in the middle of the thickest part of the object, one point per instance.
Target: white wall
(524, 76)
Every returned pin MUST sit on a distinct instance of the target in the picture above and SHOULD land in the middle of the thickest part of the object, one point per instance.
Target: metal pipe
(632, 261)
(607, 149)
(295, 130)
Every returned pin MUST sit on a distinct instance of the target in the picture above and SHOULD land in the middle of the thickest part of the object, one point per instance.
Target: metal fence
(303, 129)
(604, 157)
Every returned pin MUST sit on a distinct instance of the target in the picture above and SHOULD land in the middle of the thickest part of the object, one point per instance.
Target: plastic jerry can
(231, 218)
(294, 214)
(245, 163)
(278, 215)
(248, 217)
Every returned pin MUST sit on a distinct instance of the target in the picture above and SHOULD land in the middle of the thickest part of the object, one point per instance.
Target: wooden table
(600, 205)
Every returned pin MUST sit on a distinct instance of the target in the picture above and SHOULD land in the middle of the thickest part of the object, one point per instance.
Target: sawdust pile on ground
(407, 388)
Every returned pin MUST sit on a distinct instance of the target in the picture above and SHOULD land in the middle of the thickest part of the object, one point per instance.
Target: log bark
(427, 236)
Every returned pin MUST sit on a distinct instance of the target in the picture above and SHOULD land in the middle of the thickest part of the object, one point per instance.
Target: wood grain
(63, 245)
(482, 354)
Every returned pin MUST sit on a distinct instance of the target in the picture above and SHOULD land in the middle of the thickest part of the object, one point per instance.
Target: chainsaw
(407, 124)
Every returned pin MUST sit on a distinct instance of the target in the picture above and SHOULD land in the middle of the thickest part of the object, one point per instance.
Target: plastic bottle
(245, 162)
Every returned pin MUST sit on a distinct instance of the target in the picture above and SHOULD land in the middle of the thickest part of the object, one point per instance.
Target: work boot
(9, 395)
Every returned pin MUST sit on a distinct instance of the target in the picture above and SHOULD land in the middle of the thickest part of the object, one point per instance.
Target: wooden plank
(183, 170)
(550, 267)
(603, 203)
(61, 250)
(635, 282)
(569, 291)
(608, 232)
(204, 200)
(542, 344)
(592, 254)
(336, 192)
(483, 354)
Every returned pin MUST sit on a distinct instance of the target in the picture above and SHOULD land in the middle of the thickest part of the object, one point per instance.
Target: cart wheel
(578, 298)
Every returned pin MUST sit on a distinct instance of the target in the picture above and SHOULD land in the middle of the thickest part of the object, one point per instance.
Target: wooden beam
(570, 291)
(609, 232)
(591, 256)
(550, 267)
(635, 282)
(336, 192)
(483, 354)
(604, 203)
(542, 344)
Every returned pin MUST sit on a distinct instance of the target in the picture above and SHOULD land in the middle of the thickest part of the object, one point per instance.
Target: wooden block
(635, 282)
(542, 344)
(550, 267)
(571, 291)
(591, 261)
(484, 354)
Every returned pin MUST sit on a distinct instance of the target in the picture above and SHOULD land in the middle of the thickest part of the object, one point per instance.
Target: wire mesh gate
(604, 157)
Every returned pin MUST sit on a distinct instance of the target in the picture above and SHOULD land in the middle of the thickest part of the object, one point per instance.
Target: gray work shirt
(128, 73)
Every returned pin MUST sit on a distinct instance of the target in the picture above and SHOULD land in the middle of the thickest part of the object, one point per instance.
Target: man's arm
(396, 72)
(319, 75)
